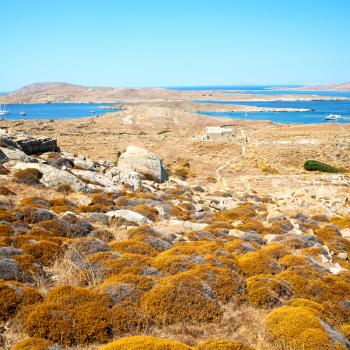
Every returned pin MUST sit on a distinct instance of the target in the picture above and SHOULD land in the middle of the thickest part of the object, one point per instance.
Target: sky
(141, 43)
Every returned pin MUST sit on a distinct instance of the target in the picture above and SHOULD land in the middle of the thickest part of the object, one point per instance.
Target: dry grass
(75, 271)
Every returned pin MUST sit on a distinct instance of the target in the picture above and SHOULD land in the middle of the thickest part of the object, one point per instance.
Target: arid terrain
(145, 228)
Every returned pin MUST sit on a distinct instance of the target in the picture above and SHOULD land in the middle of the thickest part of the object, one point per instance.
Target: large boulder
(147, 164)
(55, 178)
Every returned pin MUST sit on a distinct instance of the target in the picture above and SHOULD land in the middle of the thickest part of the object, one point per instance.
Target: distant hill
(37, 87)
(335, 87)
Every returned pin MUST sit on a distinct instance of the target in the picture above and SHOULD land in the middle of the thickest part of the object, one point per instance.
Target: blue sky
(174, 42)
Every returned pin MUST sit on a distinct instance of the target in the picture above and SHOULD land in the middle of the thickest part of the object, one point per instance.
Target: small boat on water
(334, 117)
(22, 113)
(3, 110)
(92, 111)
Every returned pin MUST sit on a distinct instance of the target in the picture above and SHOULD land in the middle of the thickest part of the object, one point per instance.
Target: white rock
(275, 215)
(16, 154)
(129, 215)
(345, 233)
(342, 255)
(193, 226)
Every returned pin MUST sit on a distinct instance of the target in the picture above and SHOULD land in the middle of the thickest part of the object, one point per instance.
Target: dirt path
(221, 181)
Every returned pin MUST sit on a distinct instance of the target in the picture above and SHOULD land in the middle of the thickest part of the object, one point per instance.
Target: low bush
(146, 210)
(112, 263)
(181, 298)
(45, 252)
(298, 328)
(127, 289)
(345, 329)
(267, 291)
(255, 263)
(314, 165)
(14, 296)
(71, 316)
(225, 283)
(29, 176)
(145, 343)
(33, 344)
(133, 246)
(242, 212)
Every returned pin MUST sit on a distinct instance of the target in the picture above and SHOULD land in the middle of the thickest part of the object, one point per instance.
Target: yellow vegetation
(242, 212)
(13, 296)
(298, 327)
(146, 210)
(145, 343)
(254, 263)
(71, 316)
(33, 344)
(181, 298)
(267, 168)
(45, 252)
(341, 222)
(267, 291)
(133, 246)
(345, 329)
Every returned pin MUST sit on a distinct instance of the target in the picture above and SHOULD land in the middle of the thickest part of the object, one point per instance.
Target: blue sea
(56, 110)
(320, 110)
(245, 88)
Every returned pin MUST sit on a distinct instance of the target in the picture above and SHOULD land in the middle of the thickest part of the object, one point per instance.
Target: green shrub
(314, 165)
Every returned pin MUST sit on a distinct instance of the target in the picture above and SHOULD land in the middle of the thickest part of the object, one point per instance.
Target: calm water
(283, 92)
(56, 110)
(245, 88)
(320, 109)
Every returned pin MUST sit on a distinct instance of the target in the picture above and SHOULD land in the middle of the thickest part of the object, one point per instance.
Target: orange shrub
(13, 296)
(33, 344)
(145, 343)
(45, 252)
(267, 291)
(181, 298)
(254, 263)
(71, 316)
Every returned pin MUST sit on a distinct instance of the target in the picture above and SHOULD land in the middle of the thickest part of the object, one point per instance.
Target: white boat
(334, 117)
(3, 110)
(22, 113)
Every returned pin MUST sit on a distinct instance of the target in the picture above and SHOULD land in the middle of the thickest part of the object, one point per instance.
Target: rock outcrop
(146, 163)
(55, 178)
(29, 144)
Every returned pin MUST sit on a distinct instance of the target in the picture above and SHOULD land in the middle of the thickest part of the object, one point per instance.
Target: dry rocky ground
(226, 244)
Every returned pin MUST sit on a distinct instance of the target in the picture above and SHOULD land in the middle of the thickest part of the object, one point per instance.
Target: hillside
(135, 231)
